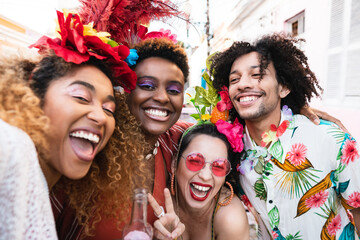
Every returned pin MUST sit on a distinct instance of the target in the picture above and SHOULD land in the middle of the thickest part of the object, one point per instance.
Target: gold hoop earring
(227, 200)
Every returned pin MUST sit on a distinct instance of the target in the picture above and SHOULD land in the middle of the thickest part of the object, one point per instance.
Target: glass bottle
(139, 228)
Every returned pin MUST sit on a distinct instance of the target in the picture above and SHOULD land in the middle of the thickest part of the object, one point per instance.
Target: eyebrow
(251, 67)
(91, 88)
(154, 78)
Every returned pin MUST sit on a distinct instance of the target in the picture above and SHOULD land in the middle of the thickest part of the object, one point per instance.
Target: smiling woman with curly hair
(116, 163)
(62, 109)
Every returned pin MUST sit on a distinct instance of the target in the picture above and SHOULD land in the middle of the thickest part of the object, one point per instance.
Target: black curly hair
(163, 48)
(292, 68)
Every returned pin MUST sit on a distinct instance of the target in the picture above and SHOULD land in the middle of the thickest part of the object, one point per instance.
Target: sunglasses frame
(205, 162)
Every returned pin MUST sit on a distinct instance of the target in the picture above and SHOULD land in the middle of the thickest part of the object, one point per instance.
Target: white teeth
(86, 135)
(156, 112)
(201, 188)
(248, 99)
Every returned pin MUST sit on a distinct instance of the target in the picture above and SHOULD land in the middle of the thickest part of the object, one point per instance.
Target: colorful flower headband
(208, 101)
(78, 42)
(126, 21)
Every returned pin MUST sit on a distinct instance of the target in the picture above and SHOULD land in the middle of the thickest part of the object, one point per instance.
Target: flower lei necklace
(275, 132)
(260, 154)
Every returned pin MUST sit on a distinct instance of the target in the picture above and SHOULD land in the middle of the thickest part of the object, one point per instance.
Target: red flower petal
(282, 128)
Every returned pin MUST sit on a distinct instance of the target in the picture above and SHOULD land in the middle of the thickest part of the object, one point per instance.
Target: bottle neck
(139, 210)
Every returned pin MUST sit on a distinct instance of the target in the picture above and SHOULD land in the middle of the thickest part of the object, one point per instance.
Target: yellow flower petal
(205, 117)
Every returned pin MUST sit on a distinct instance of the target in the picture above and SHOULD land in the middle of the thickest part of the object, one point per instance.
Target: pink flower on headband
(233, 132)
(224, 103)
(162, 33)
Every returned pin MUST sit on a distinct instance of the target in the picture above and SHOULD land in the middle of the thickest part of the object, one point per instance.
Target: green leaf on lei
(276, 150)
(260, 190)
(259, 167)
(274, 217)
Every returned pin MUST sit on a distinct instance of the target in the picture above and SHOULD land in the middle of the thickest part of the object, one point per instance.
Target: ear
(283, 91)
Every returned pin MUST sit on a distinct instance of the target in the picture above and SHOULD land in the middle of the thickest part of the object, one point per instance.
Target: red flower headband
(77, 45)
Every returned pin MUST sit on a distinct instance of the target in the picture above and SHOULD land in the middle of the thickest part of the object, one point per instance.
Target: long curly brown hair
(290, 62)
(19, 106)
(113, 169)
(107, 188)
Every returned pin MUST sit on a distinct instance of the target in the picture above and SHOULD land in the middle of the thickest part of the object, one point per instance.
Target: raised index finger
(168, 201)
(154, 204)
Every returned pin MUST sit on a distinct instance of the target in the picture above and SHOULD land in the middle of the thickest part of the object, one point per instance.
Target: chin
(156, 130)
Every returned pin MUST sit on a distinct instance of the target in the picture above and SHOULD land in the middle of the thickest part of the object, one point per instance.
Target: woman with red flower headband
(199, 171)
(81, 127)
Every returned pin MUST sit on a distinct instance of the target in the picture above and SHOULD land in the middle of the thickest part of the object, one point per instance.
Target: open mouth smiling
(85, 143)
(248, 99)
(157, 112)
(199, 192)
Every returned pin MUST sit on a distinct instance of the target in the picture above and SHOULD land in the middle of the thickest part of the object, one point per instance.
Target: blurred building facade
(331, 29)
(14, 36)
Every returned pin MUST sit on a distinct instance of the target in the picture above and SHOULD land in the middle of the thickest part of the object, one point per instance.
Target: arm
(356, 214)
(314, 115)
(231, 222)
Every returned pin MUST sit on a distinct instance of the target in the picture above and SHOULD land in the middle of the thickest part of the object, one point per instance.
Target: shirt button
(270, 201)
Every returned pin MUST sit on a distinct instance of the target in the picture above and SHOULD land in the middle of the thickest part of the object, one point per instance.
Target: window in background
(343, 75)
(296, 24)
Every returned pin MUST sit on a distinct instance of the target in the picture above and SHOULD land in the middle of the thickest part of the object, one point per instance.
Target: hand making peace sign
(168, 226)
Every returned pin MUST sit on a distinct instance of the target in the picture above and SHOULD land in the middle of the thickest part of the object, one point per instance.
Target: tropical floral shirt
(305, 181)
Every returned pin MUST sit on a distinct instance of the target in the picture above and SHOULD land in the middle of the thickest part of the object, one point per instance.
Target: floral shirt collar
(278, 145)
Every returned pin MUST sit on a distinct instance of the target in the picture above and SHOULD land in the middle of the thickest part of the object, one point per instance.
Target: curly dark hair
(292, 68)
(163, 48)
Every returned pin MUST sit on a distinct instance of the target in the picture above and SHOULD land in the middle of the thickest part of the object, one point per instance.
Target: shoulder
(13, 140)
(171, 137)
(325, 131)
(180, 126)
(231, 221)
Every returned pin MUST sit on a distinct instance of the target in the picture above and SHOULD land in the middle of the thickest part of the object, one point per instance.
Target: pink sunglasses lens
(220, 167)
(195, 162)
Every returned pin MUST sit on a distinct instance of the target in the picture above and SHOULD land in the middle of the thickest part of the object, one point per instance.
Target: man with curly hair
(301, 178)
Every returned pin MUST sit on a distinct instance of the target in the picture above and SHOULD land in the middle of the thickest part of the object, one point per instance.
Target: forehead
(246, 61)
(90, 75)
(160, 68)
(209, 146)
(250, 61)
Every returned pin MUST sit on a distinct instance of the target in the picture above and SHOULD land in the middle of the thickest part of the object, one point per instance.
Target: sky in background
(39, 16)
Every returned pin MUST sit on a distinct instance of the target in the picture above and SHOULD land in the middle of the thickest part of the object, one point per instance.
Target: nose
(205, 173)
(97, 115)
(161, 95)
(246, 82)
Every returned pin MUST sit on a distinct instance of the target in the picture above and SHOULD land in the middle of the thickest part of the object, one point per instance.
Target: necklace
(154, 151)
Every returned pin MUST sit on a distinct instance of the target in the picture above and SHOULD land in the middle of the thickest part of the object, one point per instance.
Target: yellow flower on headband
(205, 117)
(88, 29)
